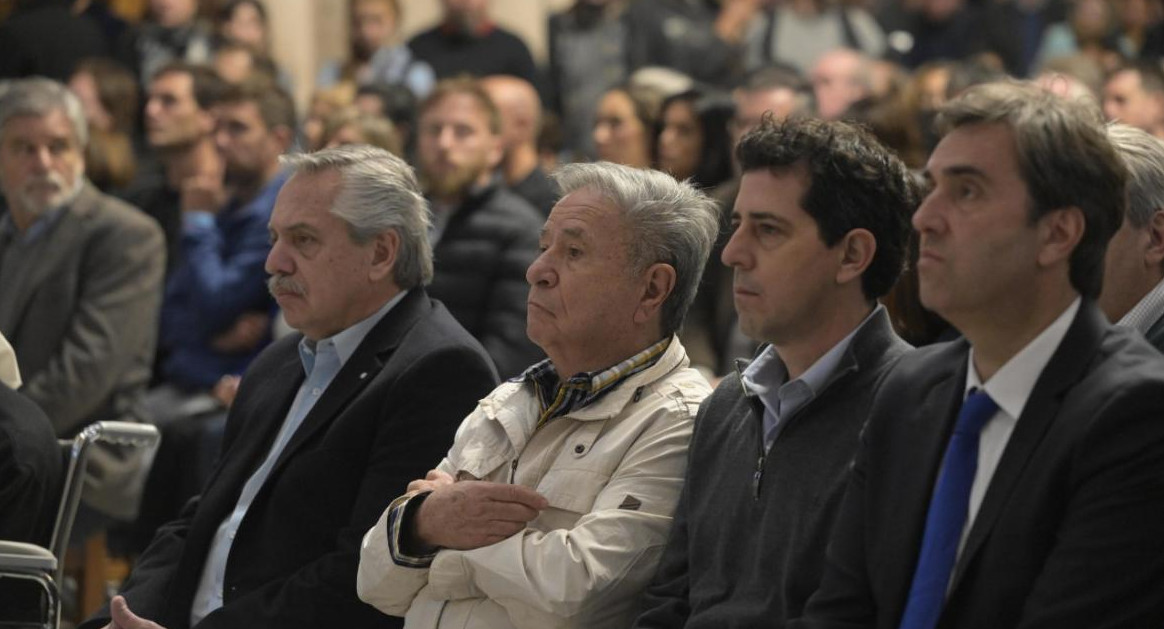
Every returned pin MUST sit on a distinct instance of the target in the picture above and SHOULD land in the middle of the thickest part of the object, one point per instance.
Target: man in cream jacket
(555, 501)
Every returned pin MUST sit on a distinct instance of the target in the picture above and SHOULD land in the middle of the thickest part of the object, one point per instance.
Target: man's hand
(125, 619)
(473, 514)
(203, 193)
(243, 335)
(432, 480)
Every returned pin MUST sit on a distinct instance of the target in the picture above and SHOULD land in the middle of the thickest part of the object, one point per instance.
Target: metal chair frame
(45, 566)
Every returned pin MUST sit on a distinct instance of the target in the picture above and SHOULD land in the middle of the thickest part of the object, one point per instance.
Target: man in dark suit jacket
(1053, 517)
(1133, 273)
(326, 424)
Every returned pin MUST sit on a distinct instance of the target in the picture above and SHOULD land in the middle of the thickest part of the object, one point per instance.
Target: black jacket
(480, 263)
(389, 413)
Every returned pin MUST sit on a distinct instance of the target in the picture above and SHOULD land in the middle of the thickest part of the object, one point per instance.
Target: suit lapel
(1066, 367)
(358, 371)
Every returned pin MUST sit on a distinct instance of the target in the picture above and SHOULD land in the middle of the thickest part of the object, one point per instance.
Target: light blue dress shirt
(767, 377)
(321, 362)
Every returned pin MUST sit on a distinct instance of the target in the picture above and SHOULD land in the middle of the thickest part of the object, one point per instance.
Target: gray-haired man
(579, 461)
(80, 272)
(1133, 272)
(327, 423)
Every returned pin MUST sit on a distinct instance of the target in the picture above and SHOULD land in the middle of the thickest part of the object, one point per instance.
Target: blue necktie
(947, 515)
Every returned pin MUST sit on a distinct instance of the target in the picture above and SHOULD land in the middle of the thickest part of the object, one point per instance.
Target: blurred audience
(840, 78)
(47, 38)
(624, 125)
(351, 126)
(1134, 95)
(799, 32)
(375, 53)
(172, 31)
(109, 95)
(467, 41)
(587, 56)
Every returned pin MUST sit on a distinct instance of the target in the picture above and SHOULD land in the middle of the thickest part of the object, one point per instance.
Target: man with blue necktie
(1015, 477)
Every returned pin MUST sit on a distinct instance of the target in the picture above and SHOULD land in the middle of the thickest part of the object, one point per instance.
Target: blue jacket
(220, 278)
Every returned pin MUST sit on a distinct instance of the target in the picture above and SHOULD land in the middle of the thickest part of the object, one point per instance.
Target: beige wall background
(305, 33)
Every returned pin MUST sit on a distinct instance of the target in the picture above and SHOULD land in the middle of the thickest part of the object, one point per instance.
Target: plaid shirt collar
(557, 398)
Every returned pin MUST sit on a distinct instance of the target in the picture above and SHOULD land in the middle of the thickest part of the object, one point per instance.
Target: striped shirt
(558, 398)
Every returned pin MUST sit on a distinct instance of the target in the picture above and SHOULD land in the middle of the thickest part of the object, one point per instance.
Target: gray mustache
(283, 284)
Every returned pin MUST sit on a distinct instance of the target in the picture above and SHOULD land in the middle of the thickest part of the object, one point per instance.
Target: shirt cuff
(405, 550)
(197, 220)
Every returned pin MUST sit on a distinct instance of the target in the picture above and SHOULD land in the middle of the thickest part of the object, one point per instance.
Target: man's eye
(574, 252)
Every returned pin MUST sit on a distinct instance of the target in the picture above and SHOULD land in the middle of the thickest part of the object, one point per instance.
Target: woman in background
(693, 141)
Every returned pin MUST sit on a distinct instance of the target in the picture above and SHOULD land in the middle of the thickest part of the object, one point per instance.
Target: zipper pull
(756, 476)
(512, 471)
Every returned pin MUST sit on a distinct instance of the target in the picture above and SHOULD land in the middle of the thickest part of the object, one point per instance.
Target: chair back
(124, 434)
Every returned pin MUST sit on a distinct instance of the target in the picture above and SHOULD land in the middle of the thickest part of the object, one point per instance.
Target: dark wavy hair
(854, 183)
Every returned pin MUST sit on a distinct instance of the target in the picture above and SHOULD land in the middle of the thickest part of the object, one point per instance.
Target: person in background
(467, 41)
(109, 95)
(1133, 272)
(375, 55)
(521, 116)
(172, 31)
(81, 272)
(625, 124)
(693, 141)
(485, 235)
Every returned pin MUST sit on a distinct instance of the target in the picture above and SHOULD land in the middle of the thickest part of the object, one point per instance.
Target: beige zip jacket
(611, 472)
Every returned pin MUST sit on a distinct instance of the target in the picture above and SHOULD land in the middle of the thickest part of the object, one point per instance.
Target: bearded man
(80, 272)
(484, 236)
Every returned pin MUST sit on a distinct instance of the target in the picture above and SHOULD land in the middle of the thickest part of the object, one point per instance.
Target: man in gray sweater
(820, 231)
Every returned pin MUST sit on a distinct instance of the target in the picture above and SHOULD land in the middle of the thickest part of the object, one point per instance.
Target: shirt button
(230, 535)
(316, 391)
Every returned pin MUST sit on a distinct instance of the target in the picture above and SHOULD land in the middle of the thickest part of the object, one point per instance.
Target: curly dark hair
(854, 183)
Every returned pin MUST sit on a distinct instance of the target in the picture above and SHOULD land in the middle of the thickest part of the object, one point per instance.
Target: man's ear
(856, 249)
(1154, 254)
(385, 247)
(660, 282)
(1061, 230)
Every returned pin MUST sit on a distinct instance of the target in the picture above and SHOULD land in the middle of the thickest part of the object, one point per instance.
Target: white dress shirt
(1010, 387)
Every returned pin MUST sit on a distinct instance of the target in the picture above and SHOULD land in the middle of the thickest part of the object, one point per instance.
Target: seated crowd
(820, 316)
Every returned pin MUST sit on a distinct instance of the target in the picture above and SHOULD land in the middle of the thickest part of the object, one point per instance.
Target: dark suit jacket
(1069, 531)
(390, 412)
(1155, 334)
(32, 466)
(80, 307)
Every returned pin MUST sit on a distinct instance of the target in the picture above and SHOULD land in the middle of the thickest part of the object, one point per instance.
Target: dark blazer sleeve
(423, 408)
